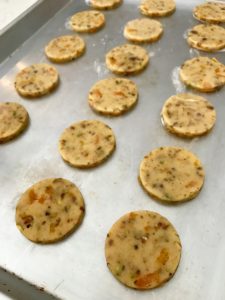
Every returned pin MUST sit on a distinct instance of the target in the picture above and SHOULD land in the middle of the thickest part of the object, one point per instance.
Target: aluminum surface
(75, 268)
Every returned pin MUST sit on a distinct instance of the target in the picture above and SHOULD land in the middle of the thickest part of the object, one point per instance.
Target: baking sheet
(75, 268)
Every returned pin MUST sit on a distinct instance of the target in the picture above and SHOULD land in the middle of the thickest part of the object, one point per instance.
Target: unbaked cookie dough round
(203, 73)
(156, 8)
(143, 30)
(36, 80)
(87, 21)
(143, 250)
(171, 174)
(65, 48)
(13, 120)
(113, 96)
(207, 37)
(127, 59)
(211, 12)
(188, 115)
(49, 210)
(87, 143)
(105, 4)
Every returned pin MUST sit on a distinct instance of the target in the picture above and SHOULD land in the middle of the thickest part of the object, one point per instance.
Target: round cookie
(143, 250)
(188, 115)
(49, 210)
(127, 59)
(65, 48)
(156, 8)
(13, 120)
(87, 21)
(87, 144)
(143, 30)
(211, 12)
(36, 80)
(105, 4)
(113, 96)
(203, 73)
(171, 174)
(207, 37)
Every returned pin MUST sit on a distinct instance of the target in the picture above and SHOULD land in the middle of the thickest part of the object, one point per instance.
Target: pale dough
(113, 96)
(87, 143)
(143, 250)
(171, 174)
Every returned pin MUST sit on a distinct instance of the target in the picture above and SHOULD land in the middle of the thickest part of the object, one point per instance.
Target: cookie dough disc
(49, 210)
(87, 143)
(87, 21)
(65, 48)
(13, 120)
(156, 8)
(36, 80)
(113, 96)
(188, 115)
(127, 59)
(212, 12)
(207, 37)
(143, 30)
(203, 73)
(142, 250)
(171, 174)
(105, 4)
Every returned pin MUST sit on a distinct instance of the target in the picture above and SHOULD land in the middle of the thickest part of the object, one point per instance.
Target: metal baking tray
(75, 268)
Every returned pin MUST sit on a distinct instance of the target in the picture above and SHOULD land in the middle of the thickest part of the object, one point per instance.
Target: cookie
(143, 30)
(65, 48)
(113, 96)
(13, 120)
(171, 174)
(87, 144)
(36, 80)
(127, 59)
(156, 8)
(105, 4)
(188, 115)
(211, 12)
(207, 37)
(49, 210)
(143, 250)
(203, 73)
(87, 21)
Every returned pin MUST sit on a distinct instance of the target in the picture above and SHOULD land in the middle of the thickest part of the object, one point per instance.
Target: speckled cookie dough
(211, 12)
(143, 30)
(65, 48)
(203, 73)
(87, 144)
(36, 80)
(171, 174)
(207, 37)
(156, 8)
(143, 250)
(188, 115)
(87, 21)
(127, 59)
(49, 210)
(13, 120)
(113, 96)
(105, 4)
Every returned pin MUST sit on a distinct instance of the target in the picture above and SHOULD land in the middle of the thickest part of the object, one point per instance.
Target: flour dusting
(151, 54)
(88, 2)
(185, 35)
(67, 23)
(179, 87)
(100, 68)
(193, 52)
